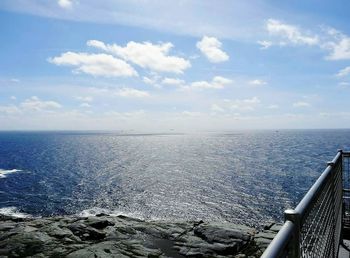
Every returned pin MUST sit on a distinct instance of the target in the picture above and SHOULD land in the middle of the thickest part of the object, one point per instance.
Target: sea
(245, 177)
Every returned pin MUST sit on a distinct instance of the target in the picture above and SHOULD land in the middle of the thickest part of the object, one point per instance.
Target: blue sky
(174, 65)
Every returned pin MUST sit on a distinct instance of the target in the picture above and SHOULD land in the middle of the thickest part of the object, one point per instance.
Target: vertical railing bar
(340, 164)
(332, 164)
(323, 216)
(294, 217)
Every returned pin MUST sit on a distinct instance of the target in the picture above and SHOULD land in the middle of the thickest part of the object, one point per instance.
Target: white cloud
(13, 97)
(273, 106)
(289, 34)
(257, 82)
(248, 104)
(130, 92)
(148, 80)
(95, 64)
(173, 81)
(344, 84)
(216, 108)
(31, 104)
(338, 45)
(253, 100)
(265, 44)
(195, 18)
(85, 99)
(301, 104)
(340, 50)
(218, 82)
(211, 48)
(15, 80)
(147, 55)
(85, 105)
(65, 4)
(245, 104)
(190, 113)
(9, 110)
(153, 79)
(36, 104)
(344, 72)
(332, 40)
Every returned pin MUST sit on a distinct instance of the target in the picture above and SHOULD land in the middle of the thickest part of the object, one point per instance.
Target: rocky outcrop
(107, 236)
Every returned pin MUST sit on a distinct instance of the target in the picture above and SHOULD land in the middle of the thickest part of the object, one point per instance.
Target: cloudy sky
(200, 65)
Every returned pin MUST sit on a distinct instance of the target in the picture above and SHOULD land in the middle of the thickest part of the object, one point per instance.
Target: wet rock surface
(107, 236)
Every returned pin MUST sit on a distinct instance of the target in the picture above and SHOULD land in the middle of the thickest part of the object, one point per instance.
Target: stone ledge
(107, 236)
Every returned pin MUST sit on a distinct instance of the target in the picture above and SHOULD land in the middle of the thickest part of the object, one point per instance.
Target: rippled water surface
(248, 177)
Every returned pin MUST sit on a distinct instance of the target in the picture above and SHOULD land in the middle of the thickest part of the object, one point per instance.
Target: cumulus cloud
(153, 79)
(15, 80)
(95, 64)
(273, 106)
(248, 104)
(289, 33)
(9, 110)
(148, 80)
(301, 104)
(338, 45)
(65, 4)
(132, 93)
(344, 85)
(344, 72)
(218, 82)
(241, 105)
(147, 55)
(339, 50)
(331, 40)
(257, 82)
(85, 105)
(85, 98)
(31, 104)
(36, 104)
(173, 81)
(216, 108)
(265, 44)
(190, 113)
(211, 48)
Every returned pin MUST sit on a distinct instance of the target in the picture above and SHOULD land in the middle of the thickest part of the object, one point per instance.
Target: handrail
(311, 196)
(314, 226)
(280, 242)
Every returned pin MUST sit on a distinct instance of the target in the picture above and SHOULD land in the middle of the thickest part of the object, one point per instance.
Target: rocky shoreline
(120, 236)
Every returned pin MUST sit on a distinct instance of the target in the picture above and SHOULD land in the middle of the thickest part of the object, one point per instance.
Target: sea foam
(13, 212)
(4, 172)
(113, 213)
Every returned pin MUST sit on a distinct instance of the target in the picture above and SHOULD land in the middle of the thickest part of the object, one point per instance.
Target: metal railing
(314, 228)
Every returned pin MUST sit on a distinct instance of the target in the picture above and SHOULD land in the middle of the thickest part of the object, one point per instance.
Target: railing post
(334, 226)
(342, 196)
(294, 217)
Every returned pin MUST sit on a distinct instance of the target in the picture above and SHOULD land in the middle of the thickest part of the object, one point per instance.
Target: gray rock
(6, 225)
(99, 223)
(267, 234)
(85, 232)
(107, 236)
(213, 233)
(100, 250)
(276, 227)
(27, 243)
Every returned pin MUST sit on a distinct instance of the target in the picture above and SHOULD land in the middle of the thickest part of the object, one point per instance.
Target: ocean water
(246, 177)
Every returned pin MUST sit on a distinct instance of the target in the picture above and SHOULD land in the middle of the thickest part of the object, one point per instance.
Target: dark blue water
(246, 177)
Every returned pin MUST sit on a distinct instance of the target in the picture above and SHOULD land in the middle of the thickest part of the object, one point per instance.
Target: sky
(174, 66)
